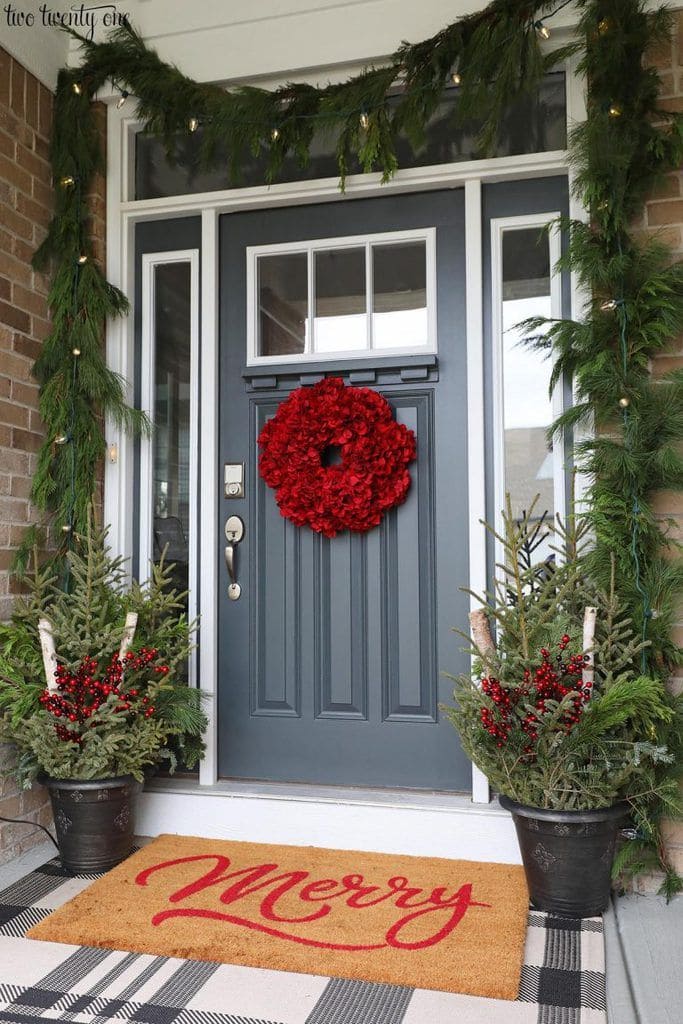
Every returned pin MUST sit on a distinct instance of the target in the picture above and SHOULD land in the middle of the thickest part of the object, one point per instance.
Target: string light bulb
(456, 78)
(542, 29)
(364, 120)
(61, 439)
(77, 88)
(624, 402)
(608, 306)
(75, 352)
(275, 134)
(193, 124)
(66, 528)
(122, 99)
(614, 110)
(604, 25)
(82, 259)
(67, 181)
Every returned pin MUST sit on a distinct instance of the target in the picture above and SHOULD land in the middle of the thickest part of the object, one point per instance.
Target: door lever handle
(234, 532)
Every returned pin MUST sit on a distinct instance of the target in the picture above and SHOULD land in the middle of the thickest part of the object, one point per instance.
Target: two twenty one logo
(290, 903)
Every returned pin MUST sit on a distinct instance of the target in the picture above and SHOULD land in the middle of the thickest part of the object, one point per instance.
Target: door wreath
(329, 419)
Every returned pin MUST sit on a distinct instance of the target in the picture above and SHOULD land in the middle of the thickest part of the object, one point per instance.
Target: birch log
(128, 634)
(481, 631)
(589, 617)
(47, 646)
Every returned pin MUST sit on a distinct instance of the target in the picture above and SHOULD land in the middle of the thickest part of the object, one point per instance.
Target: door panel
(330, 662)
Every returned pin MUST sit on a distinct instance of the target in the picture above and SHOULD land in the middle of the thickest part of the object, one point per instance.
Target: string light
(614, 110)
(76, 88)
(82, 259)
(456, 78)
(122, 99)
(275, 134)
(193, 124)
(542, 29)
(75, 352)
(66, 528)
(609, 305)
(61, 439)
(364, 120)
(624, 402)
(604, 25)
(67, 181)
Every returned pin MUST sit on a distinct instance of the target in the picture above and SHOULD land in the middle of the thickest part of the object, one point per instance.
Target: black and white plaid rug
(563, 979)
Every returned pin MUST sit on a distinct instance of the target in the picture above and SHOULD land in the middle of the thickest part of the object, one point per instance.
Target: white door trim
(122, 216)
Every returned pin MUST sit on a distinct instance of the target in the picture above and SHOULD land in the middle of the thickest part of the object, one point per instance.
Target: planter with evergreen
(93, 695)
(560, 716)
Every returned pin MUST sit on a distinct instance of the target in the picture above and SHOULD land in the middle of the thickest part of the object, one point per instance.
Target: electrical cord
(20, 821)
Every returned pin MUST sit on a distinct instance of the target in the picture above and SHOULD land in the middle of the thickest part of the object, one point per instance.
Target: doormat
(453, 926)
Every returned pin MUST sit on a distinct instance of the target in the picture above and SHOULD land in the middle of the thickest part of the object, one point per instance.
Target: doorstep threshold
(432, 800)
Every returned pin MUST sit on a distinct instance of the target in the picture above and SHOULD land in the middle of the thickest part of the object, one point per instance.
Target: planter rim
(112, 782)
(618, 810)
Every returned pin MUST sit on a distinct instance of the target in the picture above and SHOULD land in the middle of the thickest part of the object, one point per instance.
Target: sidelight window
(529, 465)
(346, 297)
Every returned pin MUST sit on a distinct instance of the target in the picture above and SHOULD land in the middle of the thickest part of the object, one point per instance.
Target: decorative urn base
(94, 820)
(567, 856)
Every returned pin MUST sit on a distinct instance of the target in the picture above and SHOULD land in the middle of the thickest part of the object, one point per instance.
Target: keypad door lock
(233, 480)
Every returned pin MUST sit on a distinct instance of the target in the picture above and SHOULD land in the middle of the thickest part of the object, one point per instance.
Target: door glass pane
(399, 318)
(171, 439)
(282, 304)
(526, 374)
(536, 122)
(340, 300)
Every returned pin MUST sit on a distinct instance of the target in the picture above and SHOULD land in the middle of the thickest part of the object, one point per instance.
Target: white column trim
(476, 431)
(208, 491)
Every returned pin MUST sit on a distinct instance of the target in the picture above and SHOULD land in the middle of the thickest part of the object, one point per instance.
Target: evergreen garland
(619, 152)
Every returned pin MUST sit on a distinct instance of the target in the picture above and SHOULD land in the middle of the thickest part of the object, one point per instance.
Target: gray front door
(331, 661)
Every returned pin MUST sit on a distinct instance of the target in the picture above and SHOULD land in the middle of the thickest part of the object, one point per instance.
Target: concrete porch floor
(643, 940)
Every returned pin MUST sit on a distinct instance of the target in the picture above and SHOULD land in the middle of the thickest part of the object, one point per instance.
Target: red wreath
(372, 475)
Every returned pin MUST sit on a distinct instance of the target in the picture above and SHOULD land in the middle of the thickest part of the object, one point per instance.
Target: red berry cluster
(80, 694)
(551, 681)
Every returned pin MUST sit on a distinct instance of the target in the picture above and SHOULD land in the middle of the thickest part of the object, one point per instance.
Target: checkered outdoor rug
(563, 979)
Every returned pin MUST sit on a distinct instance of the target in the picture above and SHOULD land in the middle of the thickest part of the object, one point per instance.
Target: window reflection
(171, 439)
(399, 295)
(340, 300)
(528, 413)
(283, 304)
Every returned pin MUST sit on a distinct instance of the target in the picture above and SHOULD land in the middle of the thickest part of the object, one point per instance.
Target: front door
(331, 661)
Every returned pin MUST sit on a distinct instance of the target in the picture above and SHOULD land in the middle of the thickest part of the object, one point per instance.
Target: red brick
(14, 462)
(5, 387)
(5, 435)
(20, 487)
(32, 163)
(27, 347)
(23, 250)
(32, 101)
(25, 394)
(29, 300)
(26, 441)
(13, 510)
(5, 73)
(14, 317)
(5, 288)
(18, 85)
(41, 328)
(45, 101)
(669, 211)
(7, 146)
(15, 415)
(36, 422)
(18, 224)
(42, 148)
(43, 194)
(15, 175)
(34, 211)
(15, 365)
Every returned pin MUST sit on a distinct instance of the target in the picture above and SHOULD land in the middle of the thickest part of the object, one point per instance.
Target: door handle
(234, 532)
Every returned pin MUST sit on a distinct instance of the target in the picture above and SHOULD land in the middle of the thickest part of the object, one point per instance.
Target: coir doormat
(454, 926)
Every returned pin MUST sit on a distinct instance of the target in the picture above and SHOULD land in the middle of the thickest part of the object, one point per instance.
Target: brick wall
(663, 216)
(25, 210)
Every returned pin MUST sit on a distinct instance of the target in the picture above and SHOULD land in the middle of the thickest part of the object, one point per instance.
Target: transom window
(342, 297)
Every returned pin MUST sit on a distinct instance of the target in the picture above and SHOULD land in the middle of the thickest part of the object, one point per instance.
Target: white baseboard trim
(427, 825)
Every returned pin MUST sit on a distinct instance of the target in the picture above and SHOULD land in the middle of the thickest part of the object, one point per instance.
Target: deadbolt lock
(233, 480)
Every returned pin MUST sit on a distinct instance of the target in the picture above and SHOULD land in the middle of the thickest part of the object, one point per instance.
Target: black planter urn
(94, 821)
(567, 856)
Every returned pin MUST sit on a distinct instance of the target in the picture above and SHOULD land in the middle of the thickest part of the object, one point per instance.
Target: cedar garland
(619, 153)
